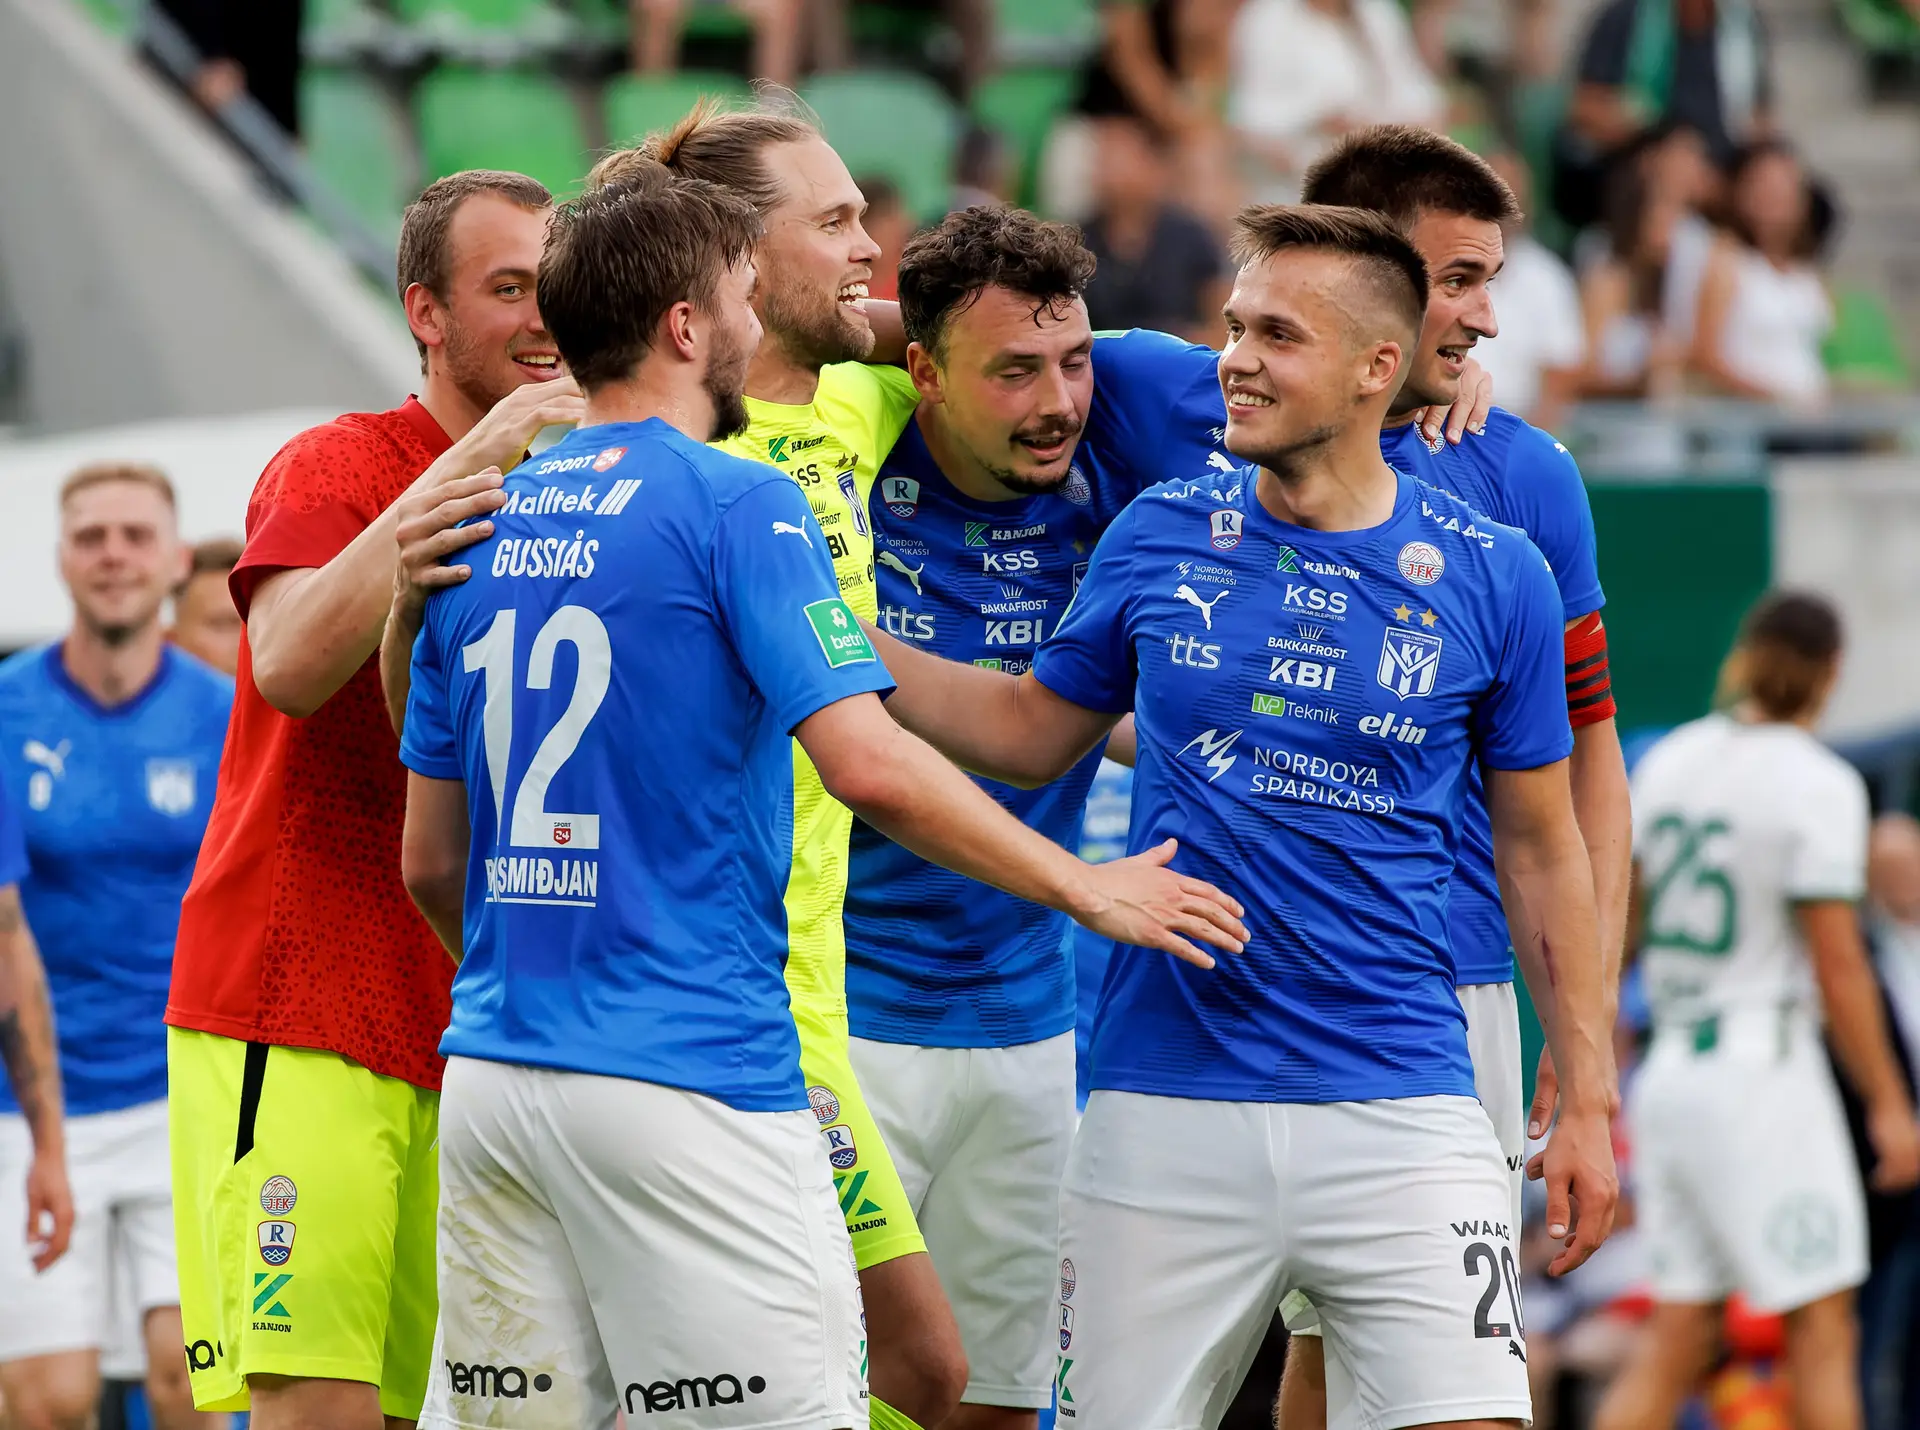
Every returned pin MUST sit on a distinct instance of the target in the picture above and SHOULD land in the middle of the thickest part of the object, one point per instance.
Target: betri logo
(495, 1382)
(690, 1393)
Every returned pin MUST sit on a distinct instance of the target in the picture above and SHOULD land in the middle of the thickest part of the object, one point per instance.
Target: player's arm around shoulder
(1546, 884)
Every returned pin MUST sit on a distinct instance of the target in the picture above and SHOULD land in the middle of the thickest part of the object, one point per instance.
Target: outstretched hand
(1139, 900)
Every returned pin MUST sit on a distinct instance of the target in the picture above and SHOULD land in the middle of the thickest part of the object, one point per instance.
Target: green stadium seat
(1881, 27)
(894, 123)
(486, 31)
(499, 119)
(1021, 105)
(357, 143)
(1863, 350)
(1045, 32)
(634, 106)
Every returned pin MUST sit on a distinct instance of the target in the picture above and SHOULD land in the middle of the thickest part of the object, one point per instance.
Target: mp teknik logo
(1214, 751)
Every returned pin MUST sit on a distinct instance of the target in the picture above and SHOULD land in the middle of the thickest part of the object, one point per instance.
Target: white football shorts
(1493, 1042)
(120, 1264)
(612, 1245)
(980, 1137)
(1743, 1173)
(1183, 1224)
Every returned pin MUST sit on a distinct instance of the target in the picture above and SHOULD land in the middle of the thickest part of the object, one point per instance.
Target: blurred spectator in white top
(1536, 359)
(1631, 351)
(1160, 267)
(1307, 71)
(1763, 307)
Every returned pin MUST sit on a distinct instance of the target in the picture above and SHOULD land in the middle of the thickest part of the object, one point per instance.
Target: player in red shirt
(308, 996)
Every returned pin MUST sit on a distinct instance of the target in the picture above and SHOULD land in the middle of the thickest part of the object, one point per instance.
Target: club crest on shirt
(1409, 661)
(1225, 525)
(276, 1242)
(170, 786)
(901, 495)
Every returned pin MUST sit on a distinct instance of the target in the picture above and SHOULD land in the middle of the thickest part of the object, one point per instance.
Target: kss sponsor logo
(1409, 661)
(1422, 563)
(1225, 527)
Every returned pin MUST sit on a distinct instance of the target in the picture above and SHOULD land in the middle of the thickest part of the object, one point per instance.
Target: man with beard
(308, 995)
(1250, 1133)
(110, 739)
(961, 998)
(603, 839)
(826, 419)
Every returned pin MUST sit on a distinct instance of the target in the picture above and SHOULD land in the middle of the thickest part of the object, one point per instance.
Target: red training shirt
(296, 929)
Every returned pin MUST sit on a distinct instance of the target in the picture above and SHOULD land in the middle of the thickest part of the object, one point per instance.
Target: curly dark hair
(944, 270)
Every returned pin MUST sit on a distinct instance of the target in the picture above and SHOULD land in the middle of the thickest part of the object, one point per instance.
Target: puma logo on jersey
(787, 528)
(912, 573)
(1192, 597)
(53, 760)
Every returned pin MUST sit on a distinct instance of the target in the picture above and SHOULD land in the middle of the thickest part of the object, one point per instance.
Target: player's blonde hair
(95, 474)
(721, 145)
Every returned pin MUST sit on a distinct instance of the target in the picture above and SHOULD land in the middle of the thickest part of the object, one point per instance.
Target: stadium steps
(895, 123)
(500, 119)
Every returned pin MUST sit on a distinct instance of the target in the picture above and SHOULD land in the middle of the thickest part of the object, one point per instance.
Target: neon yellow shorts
(304, 1190)
(880, 1220)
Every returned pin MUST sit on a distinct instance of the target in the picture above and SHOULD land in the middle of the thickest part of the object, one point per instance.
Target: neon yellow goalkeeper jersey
(832, 448)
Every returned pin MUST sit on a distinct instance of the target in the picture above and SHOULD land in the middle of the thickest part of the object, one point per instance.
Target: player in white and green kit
(1750, 843)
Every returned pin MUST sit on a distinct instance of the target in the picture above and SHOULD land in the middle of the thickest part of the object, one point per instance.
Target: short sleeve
(1089, 657)
(1603, 59)
(312, 500)
(780, 605)
(13, 839)
(1557, 516)
(1830, 822)
(1156, 407)
(1521, 722)
(899, 399)
(428, 745)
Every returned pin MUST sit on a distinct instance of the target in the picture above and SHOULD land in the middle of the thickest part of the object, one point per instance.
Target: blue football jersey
(933, 958)
(616, 686)
(1521, 477)
(1308, 704)
(113, 801)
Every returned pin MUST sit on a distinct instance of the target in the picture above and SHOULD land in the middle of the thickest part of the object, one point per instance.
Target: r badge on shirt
(170, 786)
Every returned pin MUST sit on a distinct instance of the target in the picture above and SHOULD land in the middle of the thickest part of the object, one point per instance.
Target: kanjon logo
(853, 1199)
(267, 1286)
(1063, 1396)
(976, 533)
(1289, 560)
(777, 449)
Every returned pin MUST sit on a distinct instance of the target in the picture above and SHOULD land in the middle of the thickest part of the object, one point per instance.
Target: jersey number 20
(534, 826)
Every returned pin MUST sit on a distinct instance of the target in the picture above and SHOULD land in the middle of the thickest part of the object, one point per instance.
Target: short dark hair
(216, 556)
(1403, 171)
(721, 145)
(1790, 640)
(1378, 248)
(423, 257)
(619, 256)
(945, 269)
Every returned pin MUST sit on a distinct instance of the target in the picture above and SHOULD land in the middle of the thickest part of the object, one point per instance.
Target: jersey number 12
(533, 825)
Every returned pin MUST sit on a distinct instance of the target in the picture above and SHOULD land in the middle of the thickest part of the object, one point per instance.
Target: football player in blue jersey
(1304, 1119)
(110, 737)
(598, 734)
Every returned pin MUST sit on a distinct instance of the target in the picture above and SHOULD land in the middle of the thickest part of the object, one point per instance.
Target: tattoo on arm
(27, 1047)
